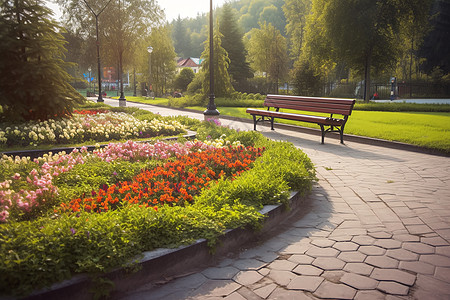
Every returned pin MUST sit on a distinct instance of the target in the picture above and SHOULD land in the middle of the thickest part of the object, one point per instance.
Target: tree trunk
(367, 79)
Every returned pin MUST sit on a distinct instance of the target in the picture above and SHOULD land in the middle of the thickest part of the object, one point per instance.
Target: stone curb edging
(163, 264)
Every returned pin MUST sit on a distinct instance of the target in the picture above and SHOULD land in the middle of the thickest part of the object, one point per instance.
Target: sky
(172, 8)
(186, 8)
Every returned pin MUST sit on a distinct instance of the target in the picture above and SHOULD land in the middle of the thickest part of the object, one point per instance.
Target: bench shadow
(332, 146)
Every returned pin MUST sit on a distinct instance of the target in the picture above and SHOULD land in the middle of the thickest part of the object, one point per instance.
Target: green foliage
(183, 79)
(232, 42)
(37, 85)
(196, 84)
(181, 38)
(267, 50)
(222, 82)
(162, 58)
(194, 100)
(306, 81)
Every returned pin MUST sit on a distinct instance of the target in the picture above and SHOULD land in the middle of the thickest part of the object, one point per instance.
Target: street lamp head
(150, 49)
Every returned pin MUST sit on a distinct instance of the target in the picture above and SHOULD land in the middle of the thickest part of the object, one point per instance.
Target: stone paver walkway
(376, 226)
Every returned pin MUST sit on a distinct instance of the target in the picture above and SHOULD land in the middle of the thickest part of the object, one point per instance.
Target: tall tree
(162, 59)
(267, 50)
(414, 27)
(296, 12)
(364, 34)
(232, 42)
(436, 47)
(222, 82)
(181, 38)
(34, 83)
(119, 35)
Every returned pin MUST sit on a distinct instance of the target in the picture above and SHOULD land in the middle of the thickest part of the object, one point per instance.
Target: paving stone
(443, 250)
(443, 274)
(412, 221)
(333, 276)
(434, 241)
(248, 264)
(418, 248)
(282, 294)
(435, 286)
(359, 268)
(299, 248)
(265, 291)
(318, 252)
(353, 256)
(382, 262)
(388, 244)
(305, 283)
(394, 275)
(236, 296)
(393, 288)
(264, 271)
(345, 246)
(370, 295)
(372, 250)
(341, 238)
(220, 273)
(217, 288)
(328, 263)
(301, 259)
(247, 277)
(359, 282)
(363, 240)
(267, 257)
(406, 238)
(307, 270)
(418, 229)
(282, 265)
(322, 242)
(417, 267)
(281, 277)
(335, 291)
(435, 259)
(380, 235)
(402, 254)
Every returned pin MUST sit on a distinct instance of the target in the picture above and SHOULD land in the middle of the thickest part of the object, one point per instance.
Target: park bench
(332, 106)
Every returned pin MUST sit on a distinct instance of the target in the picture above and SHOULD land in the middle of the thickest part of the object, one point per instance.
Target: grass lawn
(430, 129)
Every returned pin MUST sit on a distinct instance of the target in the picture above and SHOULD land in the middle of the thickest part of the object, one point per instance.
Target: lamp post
(122, 99)
(211, 110)
(134, 82)
(150, 50)
(100, 97)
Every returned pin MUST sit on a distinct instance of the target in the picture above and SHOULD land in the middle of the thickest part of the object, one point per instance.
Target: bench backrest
(313, 104)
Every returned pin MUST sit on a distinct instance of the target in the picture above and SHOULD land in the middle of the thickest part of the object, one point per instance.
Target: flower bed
(86, 125)
(61, 217)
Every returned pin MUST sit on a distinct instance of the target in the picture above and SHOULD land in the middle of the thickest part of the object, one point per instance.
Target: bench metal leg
(342, 134)
(271, 123)
(254, 122)
(323, 133)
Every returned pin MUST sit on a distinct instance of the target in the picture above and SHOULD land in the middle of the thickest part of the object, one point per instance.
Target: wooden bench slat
(341, 111)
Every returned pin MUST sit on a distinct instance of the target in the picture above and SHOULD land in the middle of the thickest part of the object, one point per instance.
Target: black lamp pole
(100, 97)
(211, 109)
